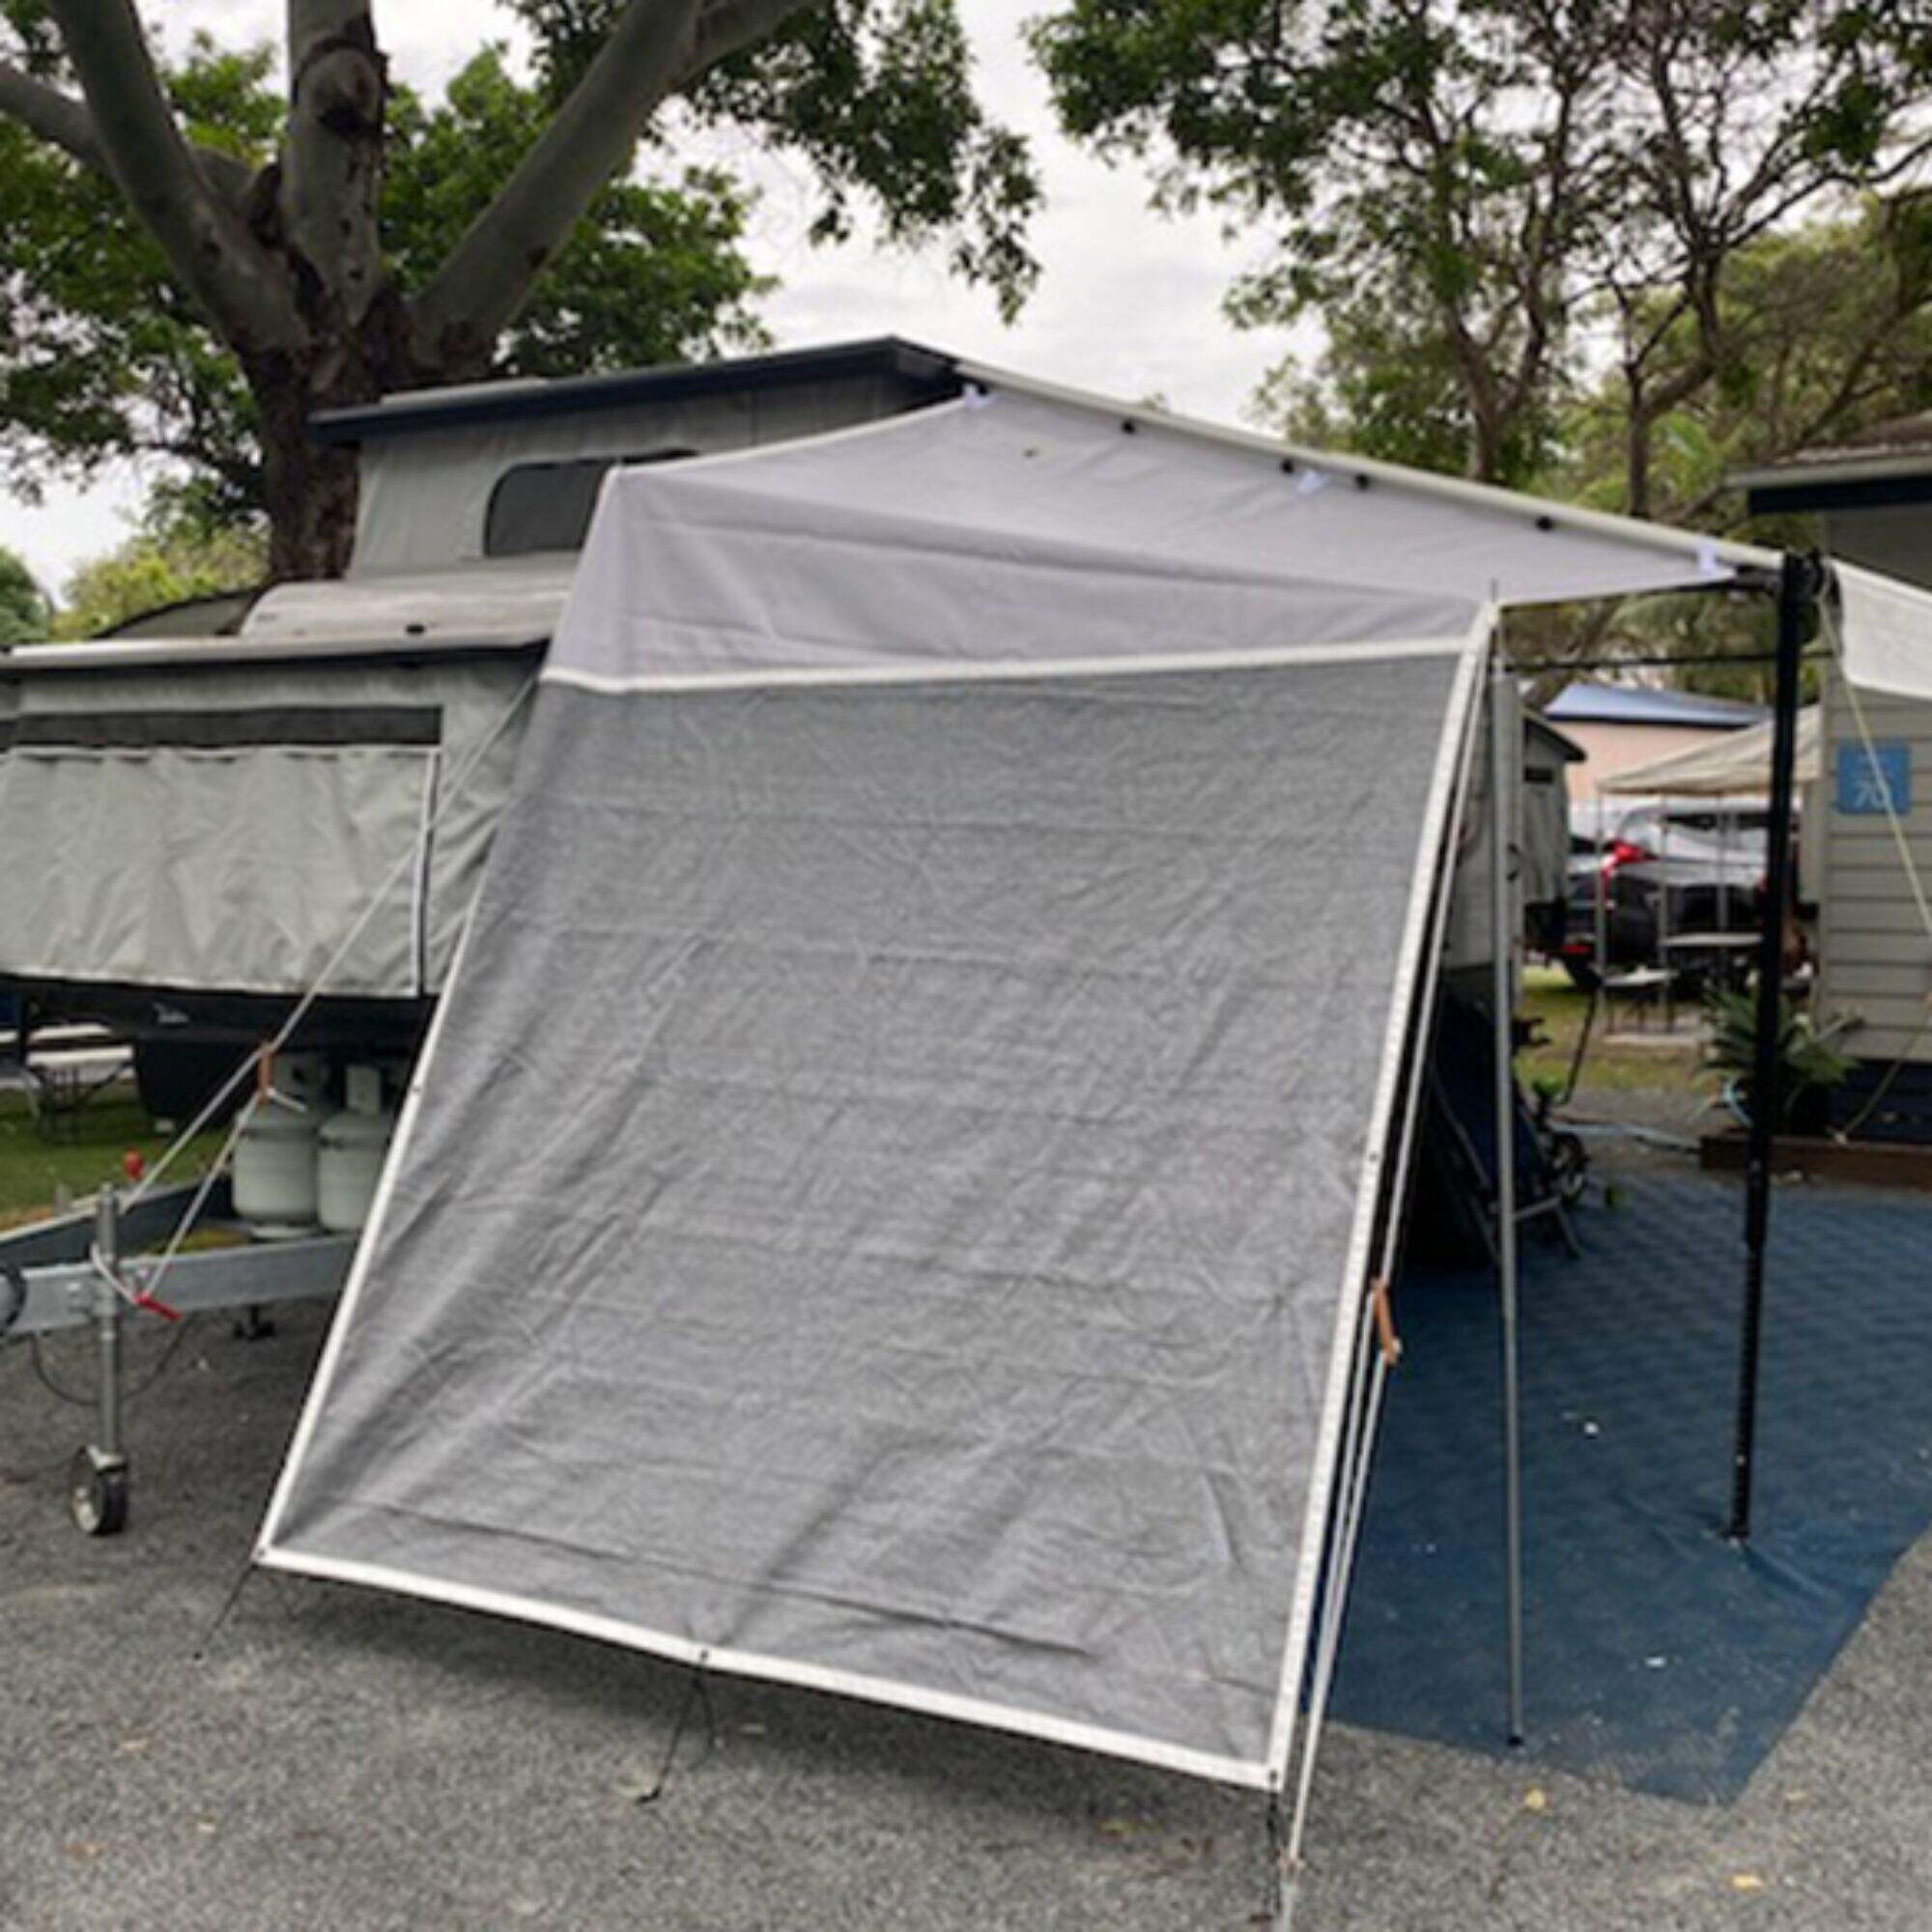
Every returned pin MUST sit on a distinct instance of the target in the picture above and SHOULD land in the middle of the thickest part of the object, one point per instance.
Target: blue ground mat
(1658, 1655)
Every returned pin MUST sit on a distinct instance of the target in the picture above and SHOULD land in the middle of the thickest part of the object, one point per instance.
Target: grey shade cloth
(880, 1198)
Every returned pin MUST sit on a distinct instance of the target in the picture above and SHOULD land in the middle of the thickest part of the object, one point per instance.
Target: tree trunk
(309, 488)
(331, 168)
(287, 260)
(1485, 442)
(1636, 458)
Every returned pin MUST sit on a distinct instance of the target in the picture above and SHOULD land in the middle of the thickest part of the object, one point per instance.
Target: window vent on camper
(548, 505)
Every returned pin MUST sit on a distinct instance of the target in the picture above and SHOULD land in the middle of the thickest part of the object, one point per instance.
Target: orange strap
(1385, 1323)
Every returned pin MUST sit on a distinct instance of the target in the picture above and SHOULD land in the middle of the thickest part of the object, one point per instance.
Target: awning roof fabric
(741, 576)
(1165, 539)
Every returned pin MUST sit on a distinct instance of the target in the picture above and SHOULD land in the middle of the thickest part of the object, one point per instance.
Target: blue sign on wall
(1867, 777)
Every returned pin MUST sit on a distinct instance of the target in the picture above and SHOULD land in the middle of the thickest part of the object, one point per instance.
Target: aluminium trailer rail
(75, 1271)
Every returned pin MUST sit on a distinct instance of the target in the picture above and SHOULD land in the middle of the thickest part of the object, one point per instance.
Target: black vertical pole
(1797, 588)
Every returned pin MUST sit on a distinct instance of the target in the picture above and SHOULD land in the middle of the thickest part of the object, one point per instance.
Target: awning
(1886, 628)
(891, 1199)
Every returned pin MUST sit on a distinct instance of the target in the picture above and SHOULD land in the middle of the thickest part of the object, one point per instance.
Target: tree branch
(590, 140)
(154, 165)
(332, 159)
(727, 27)
(52, 115)
(65, 122)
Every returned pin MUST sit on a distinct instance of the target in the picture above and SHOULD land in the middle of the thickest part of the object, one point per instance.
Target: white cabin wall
(1875, 954)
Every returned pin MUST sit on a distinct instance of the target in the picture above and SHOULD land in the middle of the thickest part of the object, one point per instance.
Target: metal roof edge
(1594, 701)
(1846, 464)
(1851, 485)
(164, 653)
(411, 411)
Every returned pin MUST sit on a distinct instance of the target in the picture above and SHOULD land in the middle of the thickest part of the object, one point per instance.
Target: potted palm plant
(1809, 1064)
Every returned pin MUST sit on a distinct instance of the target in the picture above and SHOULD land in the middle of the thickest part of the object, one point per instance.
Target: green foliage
(24, 616)
(1404, 162)
(1388, 386)
(36, 44)
(1475, 195)
(1827, 329)
(654, 273)
(102, 355)
(171, 559)
(877, 97)
(1808, 1064)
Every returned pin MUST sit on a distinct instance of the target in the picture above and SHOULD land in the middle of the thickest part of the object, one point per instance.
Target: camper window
(547, 506)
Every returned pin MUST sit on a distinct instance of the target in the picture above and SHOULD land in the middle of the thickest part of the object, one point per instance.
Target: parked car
(1657, 869)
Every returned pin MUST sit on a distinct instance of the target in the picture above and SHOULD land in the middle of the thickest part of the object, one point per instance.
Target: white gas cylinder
(275, 1169)
(349, 1164)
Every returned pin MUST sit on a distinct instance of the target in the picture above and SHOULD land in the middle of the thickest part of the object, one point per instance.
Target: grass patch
(1609, 1066)
(88, 1150)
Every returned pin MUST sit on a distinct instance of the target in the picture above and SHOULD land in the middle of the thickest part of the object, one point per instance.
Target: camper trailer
(203, 831)
(299, 809)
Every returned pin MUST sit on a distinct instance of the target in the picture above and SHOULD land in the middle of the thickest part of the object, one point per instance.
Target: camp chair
(1457, 1184)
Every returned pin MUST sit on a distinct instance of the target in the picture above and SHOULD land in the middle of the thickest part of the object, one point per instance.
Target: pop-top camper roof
(437, 465)
(902, 370)
(406, 615)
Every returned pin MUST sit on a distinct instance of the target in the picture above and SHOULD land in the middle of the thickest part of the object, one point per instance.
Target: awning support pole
(1798, 587)
(1504, 739)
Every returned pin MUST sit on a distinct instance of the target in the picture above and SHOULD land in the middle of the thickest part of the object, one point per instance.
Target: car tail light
(1623, 852)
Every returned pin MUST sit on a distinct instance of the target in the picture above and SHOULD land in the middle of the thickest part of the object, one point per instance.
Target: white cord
(257, 1056)
(1350, 1507)
(186, 1225)
(98, 1262)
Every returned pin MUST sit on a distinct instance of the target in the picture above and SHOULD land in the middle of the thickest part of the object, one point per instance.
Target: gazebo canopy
(1735, 766)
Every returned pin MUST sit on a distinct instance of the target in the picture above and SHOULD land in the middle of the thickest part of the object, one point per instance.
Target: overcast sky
(1128, 303)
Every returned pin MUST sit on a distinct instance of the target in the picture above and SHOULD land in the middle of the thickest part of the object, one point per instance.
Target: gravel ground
(342, 1760)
